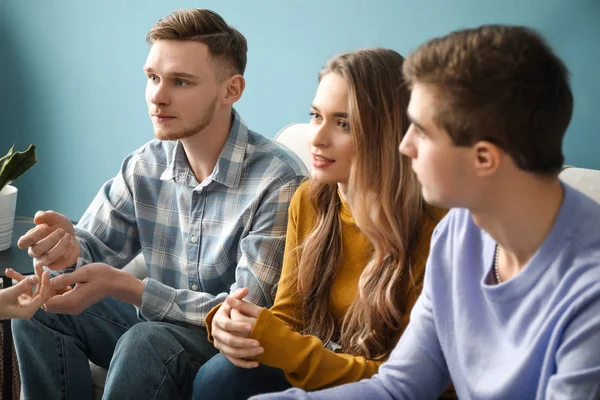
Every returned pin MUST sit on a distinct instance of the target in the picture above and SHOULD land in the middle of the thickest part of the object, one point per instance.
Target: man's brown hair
(501, 84)
(225, 43)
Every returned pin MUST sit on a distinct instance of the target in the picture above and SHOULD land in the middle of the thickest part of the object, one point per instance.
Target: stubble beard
(185, 132)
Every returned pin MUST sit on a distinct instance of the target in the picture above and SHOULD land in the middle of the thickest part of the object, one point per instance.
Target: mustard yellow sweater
(306, 362)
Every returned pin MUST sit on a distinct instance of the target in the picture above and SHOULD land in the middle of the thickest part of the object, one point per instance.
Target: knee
(145, 342)
(142, 336)
(215, 379)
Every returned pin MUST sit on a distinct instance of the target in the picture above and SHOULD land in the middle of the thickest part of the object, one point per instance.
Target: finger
(240, 293)
(245, 307)
(239, 317)
(52, 248)
(51, 218)
(66, 280)
(238, 352)
(24, 298)
(69, 257)
(47, 243)
(12, 274)
(61, 291)
(39, 271)
(228, 325)
(42, 295)
(67, 303)
(23, 287)
(242, 363)
(33, 236)
(223, 312)
(231, 340)
(44, 292)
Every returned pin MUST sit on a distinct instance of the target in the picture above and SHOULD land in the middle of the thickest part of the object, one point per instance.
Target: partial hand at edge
(21, 301)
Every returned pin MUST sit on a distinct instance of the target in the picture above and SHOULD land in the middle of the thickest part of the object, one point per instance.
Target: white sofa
(585, 180)
(295, 137)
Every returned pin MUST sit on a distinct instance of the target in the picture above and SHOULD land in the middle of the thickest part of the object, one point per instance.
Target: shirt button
(193, 286)
(193, 239)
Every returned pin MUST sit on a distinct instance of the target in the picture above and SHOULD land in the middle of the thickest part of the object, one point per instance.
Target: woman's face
(330, 138)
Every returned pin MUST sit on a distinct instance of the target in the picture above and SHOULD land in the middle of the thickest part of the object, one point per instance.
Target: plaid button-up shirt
(200, 240)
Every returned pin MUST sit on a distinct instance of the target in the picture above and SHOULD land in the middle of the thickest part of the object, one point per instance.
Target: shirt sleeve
(107, 232)
(577, 373)
(287, 299)
(258, 267)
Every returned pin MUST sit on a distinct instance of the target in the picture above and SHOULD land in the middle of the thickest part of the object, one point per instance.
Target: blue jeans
(145, 360)
(220, 379)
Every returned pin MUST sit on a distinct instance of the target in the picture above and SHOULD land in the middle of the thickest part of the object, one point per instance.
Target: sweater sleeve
(306, 363)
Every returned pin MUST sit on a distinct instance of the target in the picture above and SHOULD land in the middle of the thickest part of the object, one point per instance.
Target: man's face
(445, 171)
(182, 91)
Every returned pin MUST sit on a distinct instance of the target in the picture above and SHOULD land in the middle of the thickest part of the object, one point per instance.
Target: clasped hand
(231, 327)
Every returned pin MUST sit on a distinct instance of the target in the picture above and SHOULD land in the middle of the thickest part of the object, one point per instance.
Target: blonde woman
(357, 242)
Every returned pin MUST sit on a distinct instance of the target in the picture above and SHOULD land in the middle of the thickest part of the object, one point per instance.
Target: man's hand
(93, 282)
(20, 301)
(52, 242)
(39, 272)
(231, 336)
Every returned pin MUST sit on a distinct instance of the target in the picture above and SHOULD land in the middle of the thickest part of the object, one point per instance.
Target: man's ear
(488, 158)
(233, 89)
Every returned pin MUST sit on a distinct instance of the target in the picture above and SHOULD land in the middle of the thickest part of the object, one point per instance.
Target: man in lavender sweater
(510, 307)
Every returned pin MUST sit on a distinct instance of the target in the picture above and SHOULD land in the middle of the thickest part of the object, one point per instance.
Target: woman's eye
(344, 125)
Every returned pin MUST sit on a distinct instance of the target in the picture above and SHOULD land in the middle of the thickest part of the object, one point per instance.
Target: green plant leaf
(16, 164)
(5, 158)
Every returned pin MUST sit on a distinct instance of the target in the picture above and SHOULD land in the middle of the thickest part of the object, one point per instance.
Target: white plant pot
(8, 207)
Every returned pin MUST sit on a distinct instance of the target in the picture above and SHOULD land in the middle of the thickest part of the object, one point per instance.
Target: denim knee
(220, 379)
(143, 338)
(215, 377)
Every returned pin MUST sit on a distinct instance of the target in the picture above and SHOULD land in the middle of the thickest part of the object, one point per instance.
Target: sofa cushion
(585, 180)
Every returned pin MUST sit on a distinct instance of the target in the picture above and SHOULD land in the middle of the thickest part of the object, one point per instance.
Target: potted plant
(12, 166)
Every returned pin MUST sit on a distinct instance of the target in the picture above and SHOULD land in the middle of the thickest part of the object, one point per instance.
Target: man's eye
(181, 83)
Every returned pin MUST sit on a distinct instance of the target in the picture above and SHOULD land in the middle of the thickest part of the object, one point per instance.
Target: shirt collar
(228, 169)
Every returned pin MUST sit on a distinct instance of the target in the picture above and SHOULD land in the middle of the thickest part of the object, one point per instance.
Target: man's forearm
(128, 288)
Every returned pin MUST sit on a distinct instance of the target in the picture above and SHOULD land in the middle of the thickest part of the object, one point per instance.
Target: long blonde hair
(386, 203)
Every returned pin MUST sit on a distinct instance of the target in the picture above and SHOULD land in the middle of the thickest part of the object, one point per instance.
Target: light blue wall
(72, 81)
